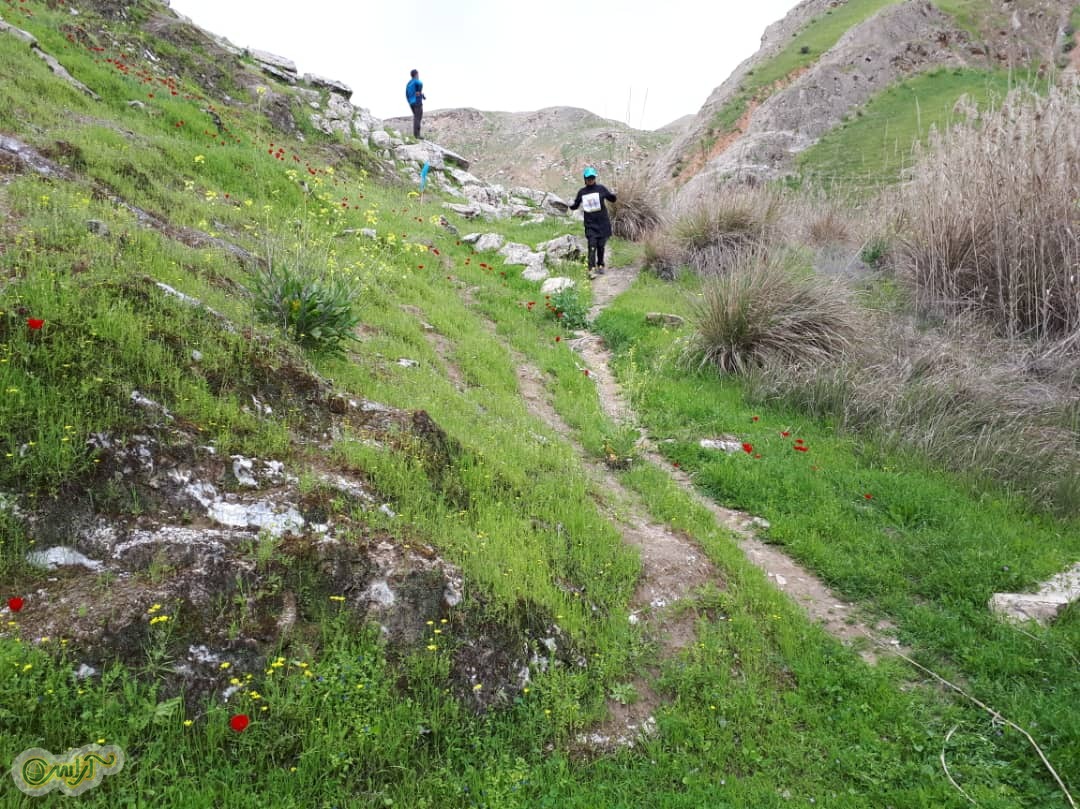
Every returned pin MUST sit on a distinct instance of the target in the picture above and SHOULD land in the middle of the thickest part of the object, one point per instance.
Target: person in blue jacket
(414, 94)
(597, 221)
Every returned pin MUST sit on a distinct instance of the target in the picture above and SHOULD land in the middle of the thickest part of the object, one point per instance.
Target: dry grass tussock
(708, 234)
(769, 309)
(968, 400)
(637, 212)
(991, 219)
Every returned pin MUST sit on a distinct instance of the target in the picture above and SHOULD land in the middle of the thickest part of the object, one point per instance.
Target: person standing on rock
(597, 221)
(414, 94)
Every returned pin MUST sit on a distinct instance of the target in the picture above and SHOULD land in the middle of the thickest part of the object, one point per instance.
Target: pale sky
(642, 62)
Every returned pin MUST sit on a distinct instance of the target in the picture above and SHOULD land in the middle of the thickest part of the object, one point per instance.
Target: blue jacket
(414, 91)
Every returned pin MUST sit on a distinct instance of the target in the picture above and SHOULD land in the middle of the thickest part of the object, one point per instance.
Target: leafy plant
(317, 312)
(567, 307)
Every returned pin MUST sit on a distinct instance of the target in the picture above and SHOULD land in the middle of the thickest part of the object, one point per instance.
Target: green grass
(762, 710)
(974, 16)
(874, 145)
(920, 550)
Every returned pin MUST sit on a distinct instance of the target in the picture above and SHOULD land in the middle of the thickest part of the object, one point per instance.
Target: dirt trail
(673, 566)
(803, 586)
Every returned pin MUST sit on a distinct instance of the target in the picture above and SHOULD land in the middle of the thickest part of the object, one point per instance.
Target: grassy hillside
(196, 187)
(873, 146)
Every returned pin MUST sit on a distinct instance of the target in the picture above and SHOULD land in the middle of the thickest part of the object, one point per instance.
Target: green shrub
(766, 308)
(874, 252)
(315, 311)
(569, 309)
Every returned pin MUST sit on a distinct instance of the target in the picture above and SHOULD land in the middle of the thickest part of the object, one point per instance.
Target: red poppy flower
(585, 371)
(558, 339)
(419, 266)
(785, 434)
(34, 323)
(748, 448)
(801, 449)
(868, 496)
(675, 464)
(239, 722)
(15, 604)
(799, 441)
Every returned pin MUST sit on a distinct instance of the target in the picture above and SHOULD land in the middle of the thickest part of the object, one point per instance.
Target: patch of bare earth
(673, 567)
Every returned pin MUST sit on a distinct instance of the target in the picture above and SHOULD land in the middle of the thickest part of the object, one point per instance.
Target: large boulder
(490, 241)
(565, 248)
(553, 286)
(333, 85)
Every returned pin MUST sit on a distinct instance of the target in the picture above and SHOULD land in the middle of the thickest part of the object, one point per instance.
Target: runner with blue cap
(597, 222)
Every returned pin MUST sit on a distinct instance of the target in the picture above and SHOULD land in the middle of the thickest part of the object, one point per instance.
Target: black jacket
(597, 222)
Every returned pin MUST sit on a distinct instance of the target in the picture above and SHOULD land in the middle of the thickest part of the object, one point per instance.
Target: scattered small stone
(664, 319)
(97, 227)
(61, 556)
(726, 444)
(196, 355)
(404, 362)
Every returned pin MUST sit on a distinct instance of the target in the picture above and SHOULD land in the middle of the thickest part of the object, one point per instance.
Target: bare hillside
(543, 149)
(788, 95)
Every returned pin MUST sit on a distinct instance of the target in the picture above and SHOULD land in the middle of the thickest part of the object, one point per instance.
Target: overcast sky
(643, 62)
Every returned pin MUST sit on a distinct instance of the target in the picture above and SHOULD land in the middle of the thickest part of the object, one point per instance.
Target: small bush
(569, 309)
(874, 252)
(716, 230)
(316, 312)
(637, 212)
(768, 309)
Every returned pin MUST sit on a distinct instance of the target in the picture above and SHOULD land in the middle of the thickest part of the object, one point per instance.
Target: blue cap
(589, 172)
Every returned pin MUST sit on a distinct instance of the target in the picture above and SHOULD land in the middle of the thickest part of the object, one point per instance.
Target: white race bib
(591, 202)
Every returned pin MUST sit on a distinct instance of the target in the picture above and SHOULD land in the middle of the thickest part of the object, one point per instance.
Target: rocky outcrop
(47, 58)
(898, 41)
(544, 148)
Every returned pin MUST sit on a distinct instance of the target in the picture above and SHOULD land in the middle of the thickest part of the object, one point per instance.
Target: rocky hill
(827, 59)
(543, 149)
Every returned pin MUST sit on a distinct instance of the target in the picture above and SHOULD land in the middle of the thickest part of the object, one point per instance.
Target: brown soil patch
(672, 568)
(700, 160)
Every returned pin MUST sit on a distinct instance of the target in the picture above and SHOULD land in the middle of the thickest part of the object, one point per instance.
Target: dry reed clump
(767, 308)
(636, 214)
(710, 233)
(824, 221)
(662, 256)
(970, 401)
(992, 220)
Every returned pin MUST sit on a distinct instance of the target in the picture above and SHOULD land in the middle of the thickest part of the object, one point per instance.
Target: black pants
(596, 250)
(417, 116)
